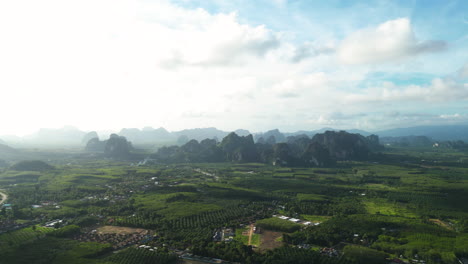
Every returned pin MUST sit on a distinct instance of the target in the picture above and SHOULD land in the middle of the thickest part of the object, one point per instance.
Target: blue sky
(257, 65)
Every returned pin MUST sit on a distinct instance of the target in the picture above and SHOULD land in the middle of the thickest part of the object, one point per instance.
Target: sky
(256, 65)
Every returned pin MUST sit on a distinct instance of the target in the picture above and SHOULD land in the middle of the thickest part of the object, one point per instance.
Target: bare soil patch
(441, 223)
(269, 240)
(3, 198)
(121, 230)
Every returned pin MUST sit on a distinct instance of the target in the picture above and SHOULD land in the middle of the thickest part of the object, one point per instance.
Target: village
(118, 237)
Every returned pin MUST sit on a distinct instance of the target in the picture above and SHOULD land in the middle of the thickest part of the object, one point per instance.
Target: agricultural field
(411, 206)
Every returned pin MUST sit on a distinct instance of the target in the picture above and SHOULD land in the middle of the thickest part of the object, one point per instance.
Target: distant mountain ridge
(7, 149)
(60, 136)
(436, 133)
(7, 152)
(66, 136)
(70, 136)
(312, 133)
(150, 135)
(443, 133)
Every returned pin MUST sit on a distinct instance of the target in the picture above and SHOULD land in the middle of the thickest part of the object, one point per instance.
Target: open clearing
(247, 236)
(441, 223)
(380, 206)
(269, 240)
(121, 230)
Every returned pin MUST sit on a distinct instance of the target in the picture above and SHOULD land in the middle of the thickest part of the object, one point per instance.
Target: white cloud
(440, 90)
(219, 40)
(71, 62)
(154, 63)
(378, 122)
(309, 50)
(389, 41)
(450, 116)
(336, 118)
(302, 85)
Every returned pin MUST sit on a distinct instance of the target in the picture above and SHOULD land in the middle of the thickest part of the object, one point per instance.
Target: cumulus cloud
(389, 41)
(219, 40)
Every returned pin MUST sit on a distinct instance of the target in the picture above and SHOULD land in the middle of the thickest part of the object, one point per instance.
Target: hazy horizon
(255, 65)
(109, 131)
(104, 133)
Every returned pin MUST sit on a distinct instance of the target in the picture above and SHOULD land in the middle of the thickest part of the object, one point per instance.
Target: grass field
(245, 238)
(315, 218)
(276, 224)
(380, 206)
(310, 197)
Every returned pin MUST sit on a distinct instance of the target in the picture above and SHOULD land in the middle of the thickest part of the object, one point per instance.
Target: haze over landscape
(255, 65)
(234, 132)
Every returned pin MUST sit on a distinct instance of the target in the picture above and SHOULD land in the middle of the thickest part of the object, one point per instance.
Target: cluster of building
(7, 206)
(417, 261)
(297, 221)
(150, 248)
(53, 223)
(331, 252)
(304, 246)
(111, 198)
(116, 240)
(225, 234)
(47, 204)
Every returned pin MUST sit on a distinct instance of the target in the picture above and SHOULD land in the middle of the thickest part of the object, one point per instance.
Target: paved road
(4, 197)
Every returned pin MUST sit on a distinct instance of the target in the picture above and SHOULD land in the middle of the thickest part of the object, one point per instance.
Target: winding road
(4, 197)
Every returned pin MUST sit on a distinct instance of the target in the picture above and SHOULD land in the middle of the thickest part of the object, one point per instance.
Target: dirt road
(250, 234)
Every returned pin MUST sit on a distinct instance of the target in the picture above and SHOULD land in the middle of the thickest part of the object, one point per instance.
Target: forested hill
(115, 147)
(323, 149)
(7, 151)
